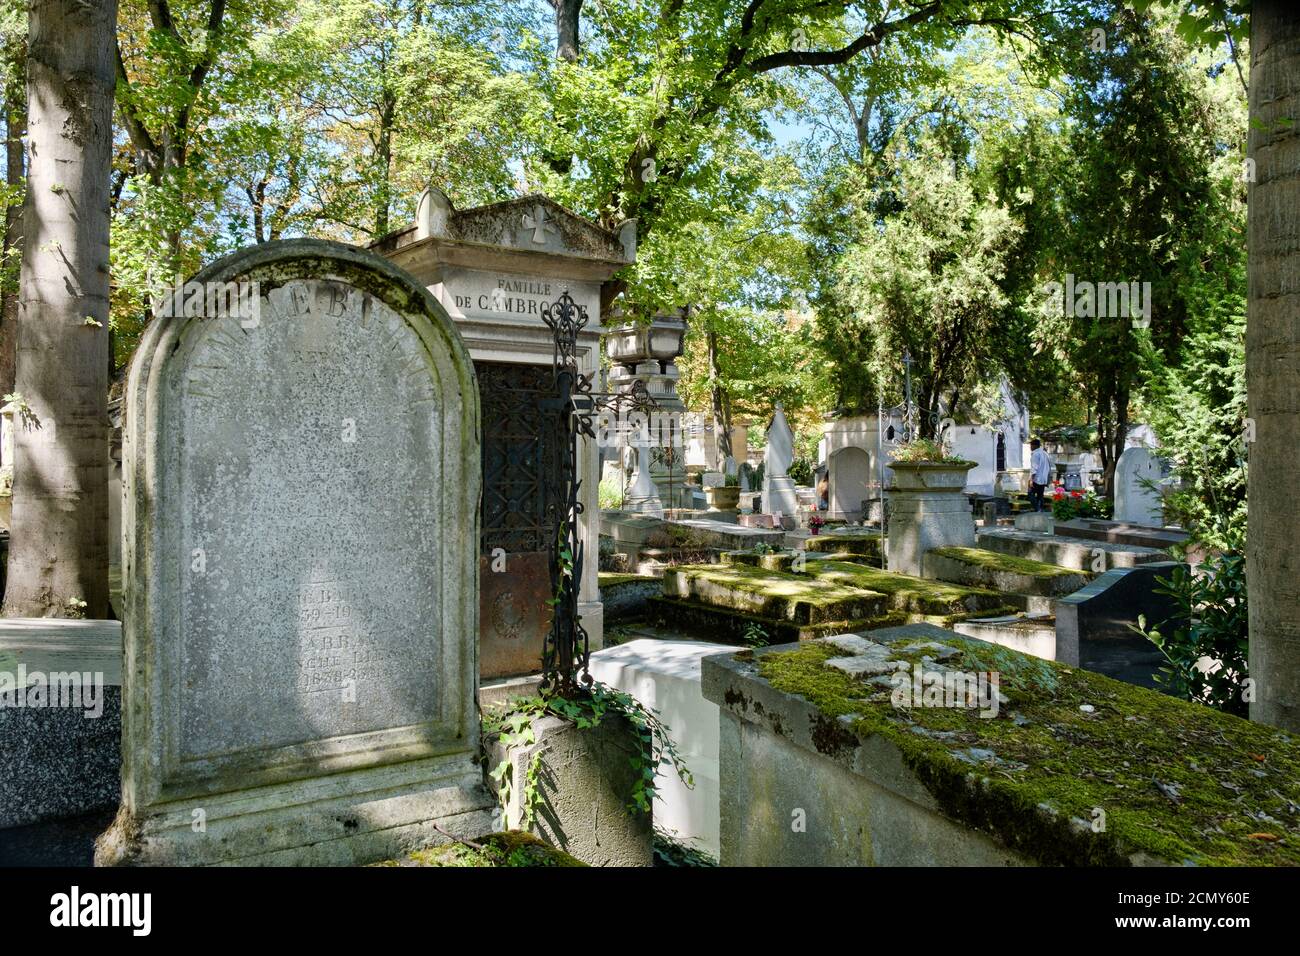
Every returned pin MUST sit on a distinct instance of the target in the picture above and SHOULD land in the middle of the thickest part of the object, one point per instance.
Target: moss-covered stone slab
(612, 579)
(625, 595)
(853, 542)
(908, 593)
(1073, 769)
(728, 626)
(509, 849)
(1001, 572)
(775, 560)
(798, 598)
(1074, 553)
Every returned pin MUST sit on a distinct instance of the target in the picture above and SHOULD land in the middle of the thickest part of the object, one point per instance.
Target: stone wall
(836, 752)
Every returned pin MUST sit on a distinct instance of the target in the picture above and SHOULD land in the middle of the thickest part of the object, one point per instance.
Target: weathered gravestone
(300, 559)
(1137, 497)
(778, 488)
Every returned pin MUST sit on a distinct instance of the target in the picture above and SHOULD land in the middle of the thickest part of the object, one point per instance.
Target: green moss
(732, 626)
(1174, 779)
(799, 597)
(996, 561)
(865, 543)
(508, 849)
(611, 579)
(907, 593)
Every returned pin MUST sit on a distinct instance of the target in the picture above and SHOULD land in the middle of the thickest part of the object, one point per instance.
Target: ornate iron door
(522, 446)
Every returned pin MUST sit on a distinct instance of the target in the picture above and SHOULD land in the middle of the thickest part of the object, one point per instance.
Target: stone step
(998, 571)
(1077, 554)
(913, 595)
(779, 595)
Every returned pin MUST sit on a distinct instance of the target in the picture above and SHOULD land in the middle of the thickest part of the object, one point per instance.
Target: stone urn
(723, 497)
(927, 510)
(930, 475)
(660, 340)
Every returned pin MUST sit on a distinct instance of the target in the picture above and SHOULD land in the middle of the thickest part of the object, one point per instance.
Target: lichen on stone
(1081, 769)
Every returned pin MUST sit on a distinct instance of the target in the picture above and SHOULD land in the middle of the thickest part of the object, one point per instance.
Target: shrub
(1213, 606)
(801, 471)
(924, 450)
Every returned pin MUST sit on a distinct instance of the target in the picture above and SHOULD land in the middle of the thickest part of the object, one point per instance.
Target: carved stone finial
(432, 213)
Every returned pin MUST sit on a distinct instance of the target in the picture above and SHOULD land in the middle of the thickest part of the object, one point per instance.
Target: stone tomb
(495, 268)
(300, 561)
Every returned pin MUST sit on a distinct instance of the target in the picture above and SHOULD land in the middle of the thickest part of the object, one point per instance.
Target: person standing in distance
(1040, 473)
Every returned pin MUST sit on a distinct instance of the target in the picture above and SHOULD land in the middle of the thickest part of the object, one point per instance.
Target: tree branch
(141, 139)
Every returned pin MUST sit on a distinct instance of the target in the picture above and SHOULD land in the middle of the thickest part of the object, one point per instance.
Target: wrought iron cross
(567, 654)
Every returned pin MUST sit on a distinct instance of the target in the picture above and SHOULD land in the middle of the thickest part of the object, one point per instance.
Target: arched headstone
(1137, 499)
(850, 479)
(300, 538)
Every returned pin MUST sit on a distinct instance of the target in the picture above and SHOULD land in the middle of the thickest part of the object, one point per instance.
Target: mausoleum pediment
(529, 224)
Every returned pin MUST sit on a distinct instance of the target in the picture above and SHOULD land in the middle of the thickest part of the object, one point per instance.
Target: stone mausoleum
(495, 268)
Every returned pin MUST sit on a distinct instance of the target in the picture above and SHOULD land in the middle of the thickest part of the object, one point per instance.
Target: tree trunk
(384, 159)
(15, 127)
(1273, 363)
(721, 418)
(1112, 435)
(567, 14)
(59, 546)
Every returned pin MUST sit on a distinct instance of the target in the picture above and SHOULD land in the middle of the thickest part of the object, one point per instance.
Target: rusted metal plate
(513, 614)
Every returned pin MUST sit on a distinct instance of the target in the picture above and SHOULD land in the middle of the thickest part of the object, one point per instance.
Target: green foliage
(1131, 201)
(1213, 600)
(755, 635)
(514, 727)
(800, 470)
(610, 494)
(670, 850)
(926, 450)
(924, 279)
(1195, 392)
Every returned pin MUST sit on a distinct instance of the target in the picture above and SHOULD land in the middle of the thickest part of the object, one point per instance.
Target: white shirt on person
(1040, 467)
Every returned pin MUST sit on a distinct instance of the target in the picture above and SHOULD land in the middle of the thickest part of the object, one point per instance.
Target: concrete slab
(664, 675)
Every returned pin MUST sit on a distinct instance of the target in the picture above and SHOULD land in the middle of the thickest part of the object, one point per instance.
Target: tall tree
(1273, 363)
(160, 120)
(13, 70)
(1139, 120)
(925, 281)
(58, 558)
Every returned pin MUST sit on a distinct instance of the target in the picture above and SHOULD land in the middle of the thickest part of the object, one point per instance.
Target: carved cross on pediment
(539, 224)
